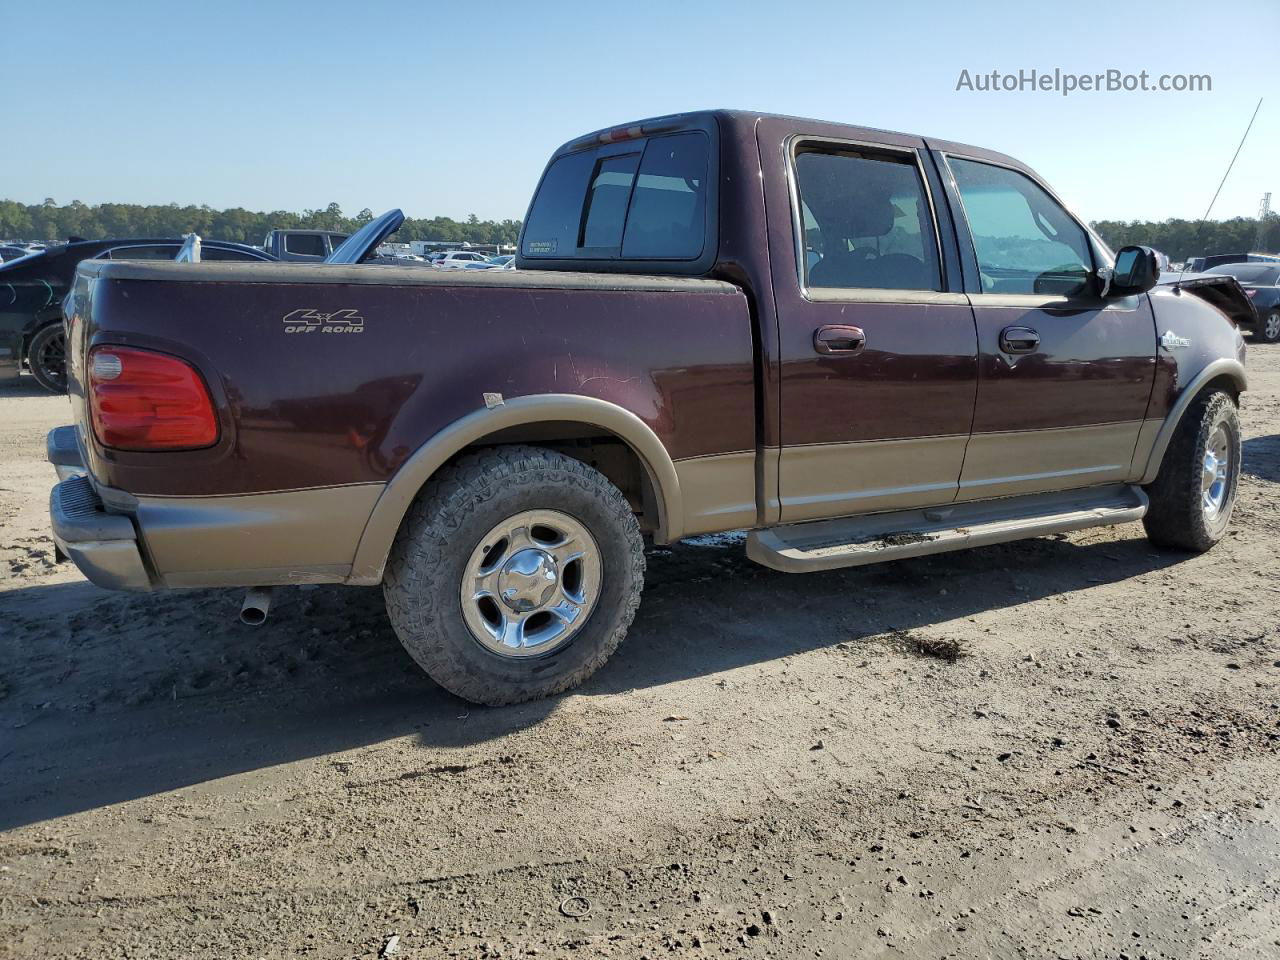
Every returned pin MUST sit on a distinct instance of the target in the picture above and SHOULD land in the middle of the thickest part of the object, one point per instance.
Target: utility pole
(1264, 214)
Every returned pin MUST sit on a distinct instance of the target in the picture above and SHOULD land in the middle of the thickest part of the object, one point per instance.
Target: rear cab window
(305, 244)
(645, 198)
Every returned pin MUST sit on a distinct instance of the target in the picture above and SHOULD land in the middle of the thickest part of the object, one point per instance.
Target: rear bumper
(104, 546)
(62, 447)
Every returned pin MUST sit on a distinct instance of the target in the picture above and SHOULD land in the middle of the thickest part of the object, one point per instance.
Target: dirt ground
(1065, 747)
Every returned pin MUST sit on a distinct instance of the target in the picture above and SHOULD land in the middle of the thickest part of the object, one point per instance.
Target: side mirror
(1137, 270)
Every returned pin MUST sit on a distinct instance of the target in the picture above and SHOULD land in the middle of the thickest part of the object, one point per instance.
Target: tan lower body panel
(1037, 461)
(1147, 435)
(294, 536)
(840, 479)
(719, 492)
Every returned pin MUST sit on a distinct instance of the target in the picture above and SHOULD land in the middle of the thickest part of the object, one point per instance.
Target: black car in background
(32, 288)
(1261, 281)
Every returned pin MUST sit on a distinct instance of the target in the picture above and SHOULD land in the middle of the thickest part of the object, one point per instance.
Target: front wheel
(47, 358)
(1195, 490)
(515, 575)
(1268, 329)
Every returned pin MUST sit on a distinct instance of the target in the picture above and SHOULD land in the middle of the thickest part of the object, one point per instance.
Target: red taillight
(1251, 291)
(141, 400)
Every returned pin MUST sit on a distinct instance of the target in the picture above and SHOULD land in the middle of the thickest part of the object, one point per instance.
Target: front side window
(1025, 241)
(306, 244)
(866, 220)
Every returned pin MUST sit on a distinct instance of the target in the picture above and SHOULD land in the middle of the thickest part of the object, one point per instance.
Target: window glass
(607, 201)
(552, 230)
(667, 218)
(336, 240)
(1259, 274)
(866, 222)
(166, 251)
(1025, 241)
(308, 244)
(221, 253)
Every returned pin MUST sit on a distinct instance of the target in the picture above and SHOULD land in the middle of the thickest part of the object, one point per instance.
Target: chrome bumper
(103, 545)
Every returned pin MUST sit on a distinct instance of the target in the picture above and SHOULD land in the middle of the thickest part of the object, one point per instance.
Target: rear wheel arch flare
(511, 422)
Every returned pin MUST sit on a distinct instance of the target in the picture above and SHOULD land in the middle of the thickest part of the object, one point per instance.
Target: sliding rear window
(645, 200)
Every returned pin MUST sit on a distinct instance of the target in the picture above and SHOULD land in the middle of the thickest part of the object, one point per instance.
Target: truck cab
(302, 246)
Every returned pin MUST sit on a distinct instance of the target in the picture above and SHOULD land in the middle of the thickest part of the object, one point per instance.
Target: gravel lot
(1065, 747)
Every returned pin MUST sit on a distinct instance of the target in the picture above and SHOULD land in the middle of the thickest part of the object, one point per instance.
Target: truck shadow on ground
(1260, 457)
(110, 697)
(22, 386)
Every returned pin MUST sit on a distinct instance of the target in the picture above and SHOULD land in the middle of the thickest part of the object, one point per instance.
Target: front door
(1064, 375)
(877, 346)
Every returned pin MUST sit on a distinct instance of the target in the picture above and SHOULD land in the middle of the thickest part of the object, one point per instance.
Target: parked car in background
(964, 363)
(302, 246)
(1261, 282)
(458, 259)
(32, 288)
(1202, 264)
(494, 263)
(13, 252)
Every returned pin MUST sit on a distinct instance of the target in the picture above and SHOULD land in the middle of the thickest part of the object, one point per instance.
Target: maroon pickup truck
(858, 345)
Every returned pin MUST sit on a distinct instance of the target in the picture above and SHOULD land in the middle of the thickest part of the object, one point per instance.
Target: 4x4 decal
(307, 320)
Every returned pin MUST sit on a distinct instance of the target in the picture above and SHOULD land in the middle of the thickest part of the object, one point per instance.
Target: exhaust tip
(256, 606)
(253, 616)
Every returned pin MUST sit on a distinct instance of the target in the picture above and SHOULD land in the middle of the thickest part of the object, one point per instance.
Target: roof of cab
(748, 119)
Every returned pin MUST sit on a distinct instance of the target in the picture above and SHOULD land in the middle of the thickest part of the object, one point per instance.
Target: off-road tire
(1268, 327)
(1176, 518)
(37, 351)
(446, 523)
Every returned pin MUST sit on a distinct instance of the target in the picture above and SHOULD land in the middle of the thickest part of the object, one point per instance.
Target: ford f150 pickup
(857, 345)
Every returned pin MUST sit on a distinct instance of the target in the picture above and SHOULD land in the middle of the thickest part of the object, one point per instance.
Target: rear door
(878, 351)
(1064, 375)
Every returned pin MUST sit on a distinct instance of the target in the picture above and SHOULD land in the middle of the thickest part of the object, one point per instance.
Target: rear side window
(307, 244)
(647, 203)
(867, 222)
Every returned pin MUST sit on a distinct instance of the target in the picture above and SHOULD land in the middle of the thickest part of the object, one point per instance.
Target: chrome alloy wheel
(531, 583)
(1215, 474)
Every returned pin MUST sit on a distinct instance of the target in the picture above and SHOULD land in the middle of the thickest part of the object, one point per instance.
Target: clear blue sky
(450, 107)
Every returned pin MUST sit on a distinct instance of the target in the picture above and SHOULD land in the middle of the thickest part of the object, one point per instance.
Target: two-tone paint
(709, 389)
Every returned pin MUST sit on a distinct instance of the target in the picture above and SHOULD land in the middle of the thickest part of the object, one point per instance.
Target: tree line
(1183, 239)
(49, 221)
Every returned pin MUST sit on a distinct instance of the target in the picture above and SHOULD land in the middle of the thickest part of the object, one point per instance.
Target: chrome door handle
(837, 338)
(1019, 340)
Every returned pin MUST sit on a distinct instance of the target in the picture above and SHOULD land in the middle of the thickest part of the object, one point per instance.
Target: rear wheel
(47, 358)
(515, 575)
(1195, 491)
(1268, 329)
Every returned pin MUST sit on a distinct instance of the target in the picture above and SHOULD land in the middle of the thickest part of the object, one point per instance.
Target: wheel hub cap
(527, 581)
(531, 583)
(1215, 472)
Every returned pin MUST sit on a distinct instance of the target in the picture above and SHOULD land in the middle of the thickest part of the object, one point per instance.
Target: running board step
(875, 538)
